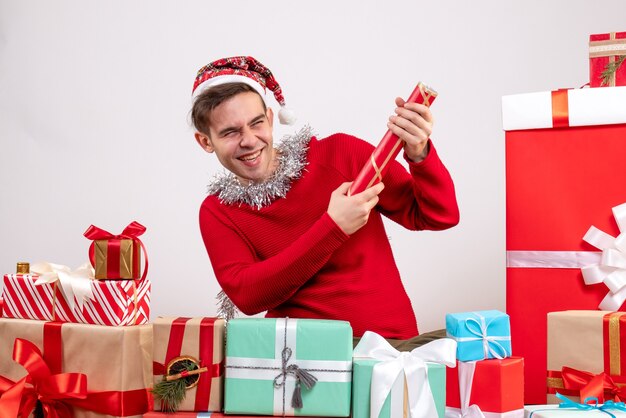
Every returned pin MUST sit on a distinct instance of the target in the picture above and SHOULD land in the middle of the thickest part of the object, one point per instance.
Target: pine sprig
(610, 70)
(172, 393)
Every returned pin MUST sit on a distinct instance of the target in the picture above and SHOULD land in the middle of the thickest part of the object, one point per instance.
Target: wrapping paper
(584, 345)
(394, 403)
(606, 48)
(259, 351)
(497, 387)
(388, 148)
(113, 359)
(117, 256)
(480, 335)
(114, 302)
(202, 339)
(553, 411)
(559, 182)
(193, 415)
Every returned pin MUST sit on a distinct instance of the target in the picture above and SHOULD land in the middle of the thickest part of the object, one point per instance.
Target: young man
(281, 232)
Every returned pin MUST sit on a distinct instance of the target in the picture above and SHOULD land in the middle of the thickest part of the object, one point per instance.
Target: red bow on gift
(132, 231)
(19, 398)
(58, 392)
(593, 385)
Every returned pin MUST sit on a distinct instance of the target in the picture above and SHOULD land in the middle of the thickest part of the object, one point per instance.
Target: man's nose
(247, 138)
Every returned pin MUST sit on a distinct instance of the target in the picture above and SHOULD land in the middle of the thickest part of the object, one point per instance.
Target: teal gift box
(272, 363)
(480, 335)
(395, 402)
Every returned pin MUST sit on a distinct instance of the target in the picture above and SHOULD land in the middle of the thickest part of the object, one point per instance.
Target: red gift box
(497, 386)
(559, 182)
(604, 50)
(200, 340)
(114, 302)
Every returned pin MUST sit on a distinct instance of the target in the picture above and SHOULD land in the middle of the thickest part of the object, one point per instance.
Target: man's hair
(212, 98)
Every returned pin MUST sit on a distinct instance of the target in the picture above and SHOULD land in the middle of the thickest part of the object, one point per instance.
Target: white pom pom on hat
(243, 69)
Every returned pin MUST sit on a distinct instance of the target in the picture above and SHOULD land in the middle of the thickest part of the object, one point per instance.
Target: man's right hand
(350, 213)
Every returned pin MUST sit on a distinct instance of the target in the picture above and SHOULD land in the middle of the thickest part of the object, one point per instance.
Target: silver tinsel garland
(291, 161)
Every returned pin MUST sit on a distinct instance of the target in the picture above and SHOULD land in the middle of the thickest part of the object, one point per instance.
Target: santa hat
(243, 70)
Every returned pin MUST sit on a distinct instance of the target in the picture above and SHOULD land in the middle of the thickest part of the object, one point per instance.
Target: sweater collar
(291, 162)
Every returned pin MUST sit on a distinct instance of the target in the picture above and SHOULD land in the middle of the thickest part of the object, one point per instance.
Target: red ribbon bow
(601, 386)
(53, 391)
(132, 231)
(58, 392)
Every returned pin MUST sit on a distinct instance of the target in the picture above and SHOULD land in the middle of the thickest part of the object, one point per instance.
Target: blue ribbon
(589, 404)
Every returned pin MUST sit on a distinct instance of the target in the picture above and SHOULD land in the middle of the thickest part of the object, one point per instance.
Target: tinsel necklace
(291, 154)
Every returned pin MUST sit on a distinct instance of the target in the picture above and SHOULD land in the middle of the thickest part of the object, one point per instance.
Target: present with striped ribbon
(53, 292)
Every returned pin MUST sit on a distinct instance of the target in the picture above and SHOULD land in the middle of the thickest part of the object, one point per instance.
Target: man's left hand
(413, 123)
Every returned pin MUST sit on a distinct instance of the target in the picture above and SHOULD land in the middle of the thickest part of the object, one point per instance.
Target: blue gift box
(480, 335)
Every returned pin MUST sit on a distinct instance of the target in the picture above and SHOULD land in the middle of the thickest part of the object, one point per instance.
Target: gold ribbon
(614, 344)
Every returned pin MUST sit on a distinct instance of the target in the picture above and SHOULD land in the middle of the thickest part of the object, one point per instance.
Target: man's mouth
(250, 157)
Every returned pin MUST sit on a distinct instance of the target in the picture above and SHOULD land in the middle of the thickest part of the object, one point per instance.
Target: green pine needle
(171, 394)
(610, 69)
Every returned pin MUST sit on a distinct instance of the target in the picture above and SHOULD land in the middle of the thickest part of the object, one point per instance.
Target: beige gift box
(115, 359)
(588, 341)
(194, 338)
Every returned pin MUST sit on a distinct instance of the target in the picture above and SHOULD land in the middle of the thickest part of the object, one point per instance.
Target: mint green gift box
(264, 353)
(362, 380)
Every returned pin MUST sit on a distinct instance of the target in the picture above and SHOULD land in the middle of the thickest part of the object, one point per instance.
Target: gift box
(584, 355)
(285, 366)
(153, 414)
(495, 386)
(560, 180)
(94, 371)
(480, 335)
(388, 148)
(111, 302)
(606, 59)
(390, 384)
(196, 342)
(117, 256)
(569, 409)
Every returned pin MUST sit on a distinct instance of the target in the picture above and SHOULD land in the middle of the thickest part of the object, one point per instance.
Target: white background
(94, 101)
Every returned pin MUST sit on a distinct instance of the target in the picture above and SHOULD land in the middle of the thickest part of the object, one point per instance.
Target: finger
(370, 204)
(400, 101)
(418, 128)
(423, 110)
(371, 192)
(422, 118)
(343, 188)
(418, 139)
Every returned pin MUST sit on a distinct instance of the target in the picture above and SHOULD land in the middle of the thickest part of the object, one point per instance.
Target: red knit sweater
(291, 259)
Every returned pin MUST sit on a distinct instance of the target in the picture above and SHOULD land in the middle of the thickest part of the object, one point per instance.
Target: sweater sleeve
(423, 198)
(258, 285)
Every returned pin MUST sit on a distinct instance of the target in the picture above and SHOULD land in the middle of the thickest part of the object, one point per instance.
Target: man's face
(240, 135)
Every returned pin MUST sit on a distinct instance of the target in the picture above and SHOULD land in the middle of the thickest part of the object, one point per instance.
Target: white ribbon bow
(489, 341)
(411, 364)
(75, 285)
(466, 378)
(612, 268)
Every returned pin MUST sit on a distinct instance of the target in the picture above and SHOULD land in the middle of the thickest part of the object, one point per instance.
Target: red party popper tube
(389, 147)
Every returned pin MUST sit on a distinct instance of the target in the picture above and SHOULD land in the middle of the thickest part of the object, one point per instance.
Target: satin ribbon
(132, 231)
(611, 270)
(466, 377)
(205, 357)
(491, 347)
(592, 385)
(59, 391)
(560, 109)
(75, 284)
(411, 365)
(589, 404)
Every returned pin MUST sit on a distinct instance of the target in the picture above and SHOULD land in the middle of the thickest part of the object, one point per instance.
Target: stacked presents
(566, 251)
(70, 341)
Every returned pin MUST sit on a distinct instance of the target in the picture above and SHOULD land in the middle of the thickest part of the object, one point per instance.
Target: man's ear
(204, 141)
(270, 116)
